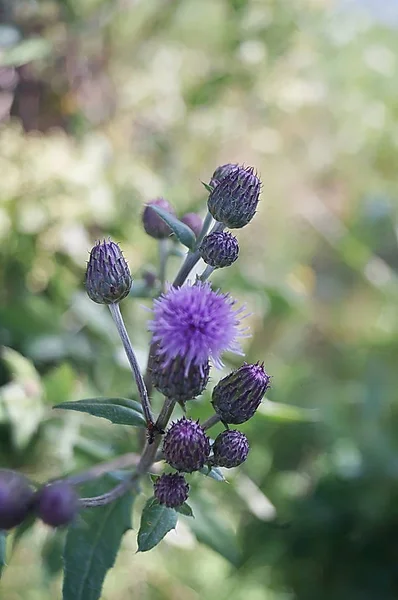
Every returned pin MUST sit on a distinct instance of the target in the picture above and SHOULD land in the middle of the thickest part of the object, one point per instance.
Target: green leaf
(156, 521)
(208, 187)
(214, 473)
(25, 52)
(185, 510)
(59, 383)
(274, 411)
(117, 410)
(92, 543)
(51, 553)
(3, 551)
(182, 232)
(210, 528)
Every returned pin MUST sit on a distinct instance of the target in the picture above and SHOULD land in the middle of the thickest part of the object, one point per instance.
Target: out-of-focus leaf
(211, 529)
(274, 411)
(183, 233)
(92, 543)
(117, 410)
(156, 521)
(208, 187)
(3, 551)
(140, 289)
(25, 52)
(51, 553)
(59, 384)
(22, 397)
(215, 473)
(185, 510)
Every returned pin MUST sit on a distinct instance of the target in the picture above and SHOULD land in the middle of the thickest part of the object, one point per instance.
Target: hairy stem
(117, 316)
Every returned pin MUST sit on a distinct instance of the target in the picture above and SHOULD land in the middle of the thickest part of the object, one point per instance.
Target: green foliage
(117, 410)
(92, 543)
(183, 233)
(156, 521)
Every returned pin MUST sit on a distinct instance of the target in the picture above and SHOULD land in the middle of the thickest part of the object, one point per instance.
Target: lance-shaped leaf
(214, 473)
(117, 410)
(183, 233)
(185, 510)
(92, 543)
(156, 521)
(278, 412)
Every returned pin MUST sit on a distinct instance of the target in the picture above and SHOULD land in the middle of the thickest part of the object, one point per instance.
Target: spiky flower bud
(153, 224)
(230, 448)
(220, 172)
(57, 504)
(171, 490)
(194, 222)
(234, 200)
(186, 447)
(219, 249)
(175, 381)
(16, 497)
(108, 278)
(237, 396)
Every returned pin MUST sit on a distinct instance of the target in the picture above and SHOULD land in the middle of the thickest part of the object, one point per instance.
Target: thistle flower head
(171, 489)
(186, 447)
(237, 396)
(195, 323)
(194, 222)
(57, 504)
(220, 172)
(174, 381)
(108, 278)
(230, 448)
(16, 497)
(153, 224)
(219, 249)
(234, 200)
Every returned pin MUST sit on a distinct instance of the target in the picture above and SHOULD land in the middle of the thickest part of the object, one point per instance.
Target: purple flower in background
(196, 323)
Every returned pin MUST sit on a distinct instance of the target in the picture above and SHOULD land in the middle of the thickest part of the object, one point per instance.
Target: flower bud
(153, 224)
(171, 490)
(230, 448)
(175, 381)
(220, 172)
(108, 278)
(186, 447)
(57, 504)
(219, 249)
(234, 200)
(237, 396)
(194, 222)
(16, 497)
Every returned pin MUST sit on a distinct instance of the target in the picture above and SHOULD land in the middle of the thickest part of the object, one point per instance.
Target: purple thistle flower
(221, 172)
(238, 395)
(230, 448)
(219, 249)
(186, 447)
(16, 497)
(196, 323)
(57, 504)
(171, 489)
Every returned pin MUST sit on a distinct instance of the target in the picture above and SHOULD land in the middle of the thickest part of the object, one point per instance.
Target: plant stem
(117, 316)
(213, 420)
(206, 224)
(206, 273)
(163, 256)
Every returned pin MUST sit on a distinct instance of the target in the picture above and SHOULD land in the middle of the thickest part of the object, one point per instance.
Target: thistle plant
(192, 325)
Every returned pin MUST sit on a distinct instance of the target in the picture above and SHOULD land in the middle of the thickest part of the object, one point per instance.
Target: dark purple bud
(234, 200)
(220, 172)
(16, 497)
(238, 395)
(230, 448)
(150, 278)
(175, 381)
(219, 249)
(171, 490)
(57, 504)
(186, 447)
(194, 222)
(108, 278)
(153, 224)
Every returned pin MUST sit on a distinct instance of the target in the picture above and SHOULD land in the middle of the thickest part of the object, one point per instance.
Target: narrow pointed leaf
(213, 473)
(3, 551)
(117, 410)
(156, 521)
(183, 233)
(208, 187)
(92, 543)
(185, 510)
(278, 412)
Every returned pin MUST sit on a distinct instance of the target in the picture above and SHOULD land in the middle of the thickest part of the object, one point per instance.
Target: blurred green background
(106, 104)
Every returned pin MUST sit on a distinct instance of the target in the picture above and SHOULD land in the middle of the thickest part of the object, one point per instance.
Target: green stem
(117, 316)
(206, 273)
(163, 256)
(206, 224)
(213, 420)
